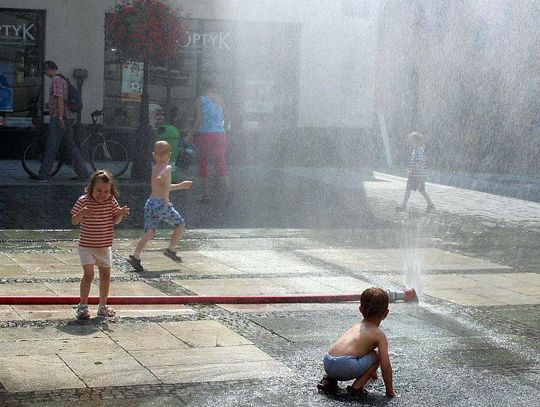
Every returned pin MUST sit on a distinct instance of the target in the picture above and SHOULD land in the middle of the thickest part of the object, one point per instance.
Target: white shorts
(101, 257)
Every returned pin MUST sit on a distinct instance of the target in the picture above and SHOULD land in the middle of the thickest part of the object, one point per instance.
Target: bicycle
(107, 155)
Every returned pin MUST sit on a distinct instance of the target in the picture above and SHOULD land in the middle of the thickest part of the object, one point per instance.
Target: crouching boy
(359, 352)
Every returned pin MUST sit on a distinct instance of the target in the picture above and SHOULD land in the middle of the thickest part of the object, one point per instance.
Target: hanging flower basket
(145, 30)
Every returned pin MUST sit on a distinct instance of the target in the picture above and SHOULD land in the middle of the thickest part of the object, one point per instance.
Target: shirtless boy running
(158, 207)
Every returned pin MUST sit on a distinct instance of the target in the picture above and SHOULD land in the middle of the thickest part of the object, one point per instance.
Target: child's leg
(175, 237)
(406, 198)
(361, 381)
(86, 282)
(104, 283)
(426, 197)
(143, 241)
(204, 181)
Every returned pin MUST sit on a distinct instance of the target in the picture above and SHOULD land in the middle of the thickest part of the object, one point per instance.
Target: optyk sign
(21, 31)
(215, 40)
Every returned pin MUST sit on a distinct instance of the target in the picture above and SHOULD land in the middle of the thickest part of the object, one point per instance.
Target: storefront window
(254, 66)
(21, 56)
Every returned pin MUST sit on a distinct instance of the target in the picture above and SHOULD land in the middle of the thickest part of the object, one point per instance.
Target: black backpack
(74, 101)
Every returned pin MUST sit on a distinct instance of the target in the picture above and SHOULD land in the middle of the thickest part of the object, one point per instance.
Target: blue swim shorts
(154, 211)
(348, 367)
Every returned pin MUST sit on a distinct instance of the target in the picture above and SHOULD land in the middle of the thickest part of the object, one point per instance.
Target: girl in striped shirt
(97, 211)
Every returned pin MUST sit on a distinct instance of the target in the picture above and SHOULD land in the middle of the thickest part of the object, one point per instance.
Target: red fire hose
(183, 299)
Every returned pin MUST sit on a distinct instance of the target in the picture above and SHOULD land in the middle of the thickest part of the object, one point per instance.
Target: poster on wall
(7, 78)
(132, 81)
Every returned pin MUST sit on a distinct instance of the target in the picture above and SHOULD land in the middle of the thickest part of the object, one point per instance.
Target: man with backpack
(63, 101)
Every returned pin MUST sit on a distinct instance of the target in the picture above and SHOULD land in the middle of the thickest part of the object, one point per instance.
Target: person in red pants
(209, 126)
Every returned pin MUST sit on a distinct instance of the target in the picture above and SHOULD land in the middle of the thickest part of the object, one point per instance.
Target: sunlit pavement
(473, 340)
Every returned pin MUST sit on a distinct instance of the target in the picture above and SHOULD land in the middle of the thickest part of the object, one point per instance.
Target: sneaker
(82, 312)
(135, 263)
(172, 255)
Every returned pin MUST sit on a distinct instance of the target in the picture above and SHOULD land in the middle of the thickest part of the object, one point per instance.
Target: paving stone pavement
(388, 190)
(473, 339)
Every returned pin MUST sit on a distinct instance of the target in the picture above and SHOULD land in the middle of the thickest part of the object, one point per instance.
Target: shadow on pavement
(263, 198)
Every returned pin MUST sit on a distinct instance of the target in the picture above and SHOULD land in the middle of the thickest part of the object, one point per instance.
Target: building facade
(286, 69)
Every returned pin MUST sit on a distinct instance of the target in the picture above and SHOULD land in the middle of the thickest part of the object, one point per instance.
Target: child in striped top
(416, 172)
(97, 211)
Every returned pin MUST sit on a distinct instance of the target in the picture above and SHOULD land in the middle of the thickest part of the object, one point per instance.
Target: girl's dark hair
(374, 303)
(104, 176)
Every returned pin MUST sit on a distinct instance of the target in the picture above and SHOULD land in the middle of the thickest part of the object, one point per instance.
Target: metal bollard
(409, 295)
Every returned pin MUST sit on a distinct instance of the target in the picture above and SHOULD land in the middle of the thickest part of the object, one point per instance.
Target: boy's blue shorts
(348, 367)
(155, 211)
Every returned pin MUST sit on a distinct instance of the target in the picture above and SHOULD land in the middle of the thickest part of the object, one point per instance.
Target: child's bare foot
(328, 385)
(401, 208)
(430, 208)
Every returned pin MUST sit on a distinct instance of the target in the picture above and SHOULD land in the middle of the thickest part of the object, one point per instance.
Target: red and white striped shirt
(96, 229)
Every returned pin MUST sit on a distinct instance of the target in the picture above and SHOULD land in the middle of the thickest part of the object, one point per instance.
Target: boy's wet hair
(374, 303)
(416, 136)
(103, 176)
(162, 147)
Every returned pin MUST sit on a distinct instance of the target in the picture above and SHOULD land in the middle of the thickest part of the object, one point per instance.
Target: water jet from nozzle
(408, 295)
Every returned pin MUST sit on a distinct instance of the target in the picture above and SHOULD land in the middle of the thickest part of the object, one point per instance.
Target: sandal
(106, 312)
(328, 385)
(351, 391)
(172, 255)
(82, 312)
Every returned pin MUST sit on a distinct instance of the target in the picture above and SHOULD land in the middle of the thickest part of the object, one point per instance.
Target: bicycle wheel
(32, 157)
(111, 156)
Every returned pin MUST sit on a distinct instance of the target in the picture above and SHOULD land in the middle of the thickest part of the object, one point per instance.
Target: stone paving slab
(483, 289)
(215, 371)
(458, 201)
(48, 346)
(394, 260)
(260, 261)
(117, 288)
(45, 312)
(101, 369)
(66, 312)
(139, 336)
(275, 286)
(265, 308)
(13, 271)
(152, 310)
(204, 333)
(7, 313)
(37, 372)
(25, 289)
(123, 354)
